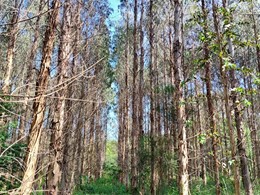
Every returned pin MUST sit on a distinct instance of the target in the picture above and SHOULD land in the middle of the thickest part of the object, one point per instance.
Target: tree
(135, 131)
(12, 34)
(214, 133)
(178, 61)
(39, 104)
(57, 125)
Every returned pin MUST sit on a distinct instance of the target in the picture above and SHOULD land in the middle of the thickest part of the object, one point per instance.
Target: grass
(105, 185)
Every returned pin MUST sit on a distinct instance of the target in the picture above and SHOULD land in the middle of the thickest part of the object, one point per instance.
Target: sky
(112, 126)
(114, 5)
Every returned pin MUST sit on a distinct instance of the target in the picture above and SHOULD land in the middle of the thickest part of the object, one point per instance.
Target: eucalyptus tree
(39, 104)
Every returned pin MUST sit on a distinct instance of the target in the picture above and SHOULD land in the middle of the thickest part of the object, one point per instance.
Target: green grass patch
(102, 186)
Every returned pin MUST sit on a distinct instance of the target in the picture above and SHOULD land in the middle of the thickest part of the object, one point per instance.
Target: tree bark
(135, 132)
(12, 35)
(240, 135)
(153, 185)
(54, 171)
(178, 63)
(29, 76)
(202, 148)
(214, 133)
(226, 100)
(126, 135)
(39, 104)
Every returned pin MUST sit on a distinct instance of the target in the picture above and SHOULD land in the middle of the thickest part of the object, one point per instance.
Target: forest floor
(110, 185)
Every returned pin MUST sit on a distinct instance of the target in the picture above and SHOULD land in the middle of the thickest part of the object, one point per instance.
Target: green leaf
(202, 138)
(247, 103)
(256, 80)
(238, 90)
(231, 162)
(188, 123)
(228, 65)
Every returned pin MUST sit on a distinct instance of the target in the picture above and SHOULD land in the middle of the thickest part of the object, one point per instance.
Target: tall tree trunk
(153, 185)
(39, 104)
(54, 171)
(141, 69)
(126, 156)
(257, 104)
(226, 100)
(121, 152)
(178, 63)
(29, 75)
(135, 132)
(257, 47)
(253, 126)
(68, 135)
(12, 34)
(210, 101)
(202, 148)
(240, 134)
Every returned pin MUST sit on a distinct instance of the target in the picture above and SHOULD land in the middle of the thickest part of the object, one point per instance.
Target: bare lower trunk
(54, 171)
(240, 134)
(178, 64)
(240, 140)
(202, 152)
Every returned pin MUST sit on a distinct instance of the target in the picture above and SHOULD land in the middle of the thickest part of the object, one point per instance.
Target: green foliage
(106, 185)
(111, 170)
(202, 138)
(164, 89)
(247, 103)
(188, 123)
(9, 161)
(240, 90)
(109, 95)
(111, 152)
(11, 155)
(198, 188)
(228, 65)
(256, 80)
(109, 183)
(4, 106)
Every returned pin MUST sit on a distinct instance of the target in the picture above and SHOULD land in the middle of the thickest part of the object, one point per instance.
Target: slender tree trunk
(121, 152)
(12, 34)
(253, 127)
(226, 100)
(256, 105)
(178, 63)
(202, 148)
(210, 101)
(98, 145)
(29, 76)
(91, 132)
(257, 47)
(39, 104)
(140, 92)
(240, 134)
(153, 185)
(126, 105)
(54, 171)
(135, 132)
